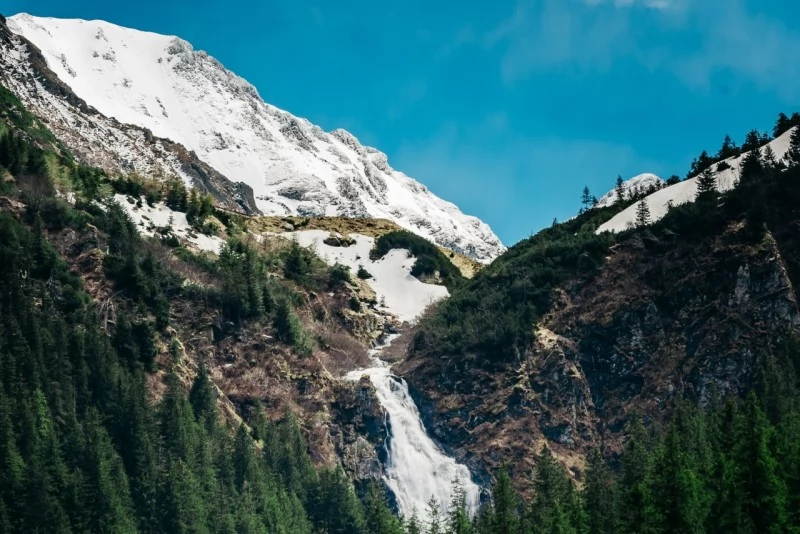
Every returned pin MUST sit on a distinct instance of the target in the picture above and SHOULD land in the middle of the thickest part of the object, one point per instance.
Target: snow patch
(686, 191)
(403, 295)
(148, 218)
(192, 99)
(642, 183)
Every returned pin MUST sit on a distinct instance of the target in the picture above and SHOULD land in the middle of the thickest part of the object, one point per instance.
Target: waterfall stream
(416, 468)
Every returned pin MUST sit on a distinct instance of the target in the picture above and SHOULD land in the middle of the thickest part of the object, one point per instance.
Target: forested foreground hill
(572, 339)
(108, 419)
(115, 415)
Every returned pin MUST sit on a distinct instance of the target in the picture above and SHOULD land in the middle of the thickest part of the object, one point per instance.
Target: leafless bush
(398, 350)
(343, 352)
(35, 188)
(185, 270)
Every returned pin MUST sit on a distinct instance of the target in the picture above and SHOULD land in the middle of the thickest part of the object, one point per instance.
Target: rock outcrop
(664, 319)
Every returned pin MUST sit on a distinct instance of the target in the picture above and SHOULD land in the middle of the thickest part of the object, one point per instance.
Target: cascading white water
(416, 468)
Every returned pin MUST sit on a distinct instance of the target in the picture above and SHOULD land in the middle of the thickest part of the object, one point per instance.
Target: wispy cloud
(408, 95)
(651, 4)
(697, 42)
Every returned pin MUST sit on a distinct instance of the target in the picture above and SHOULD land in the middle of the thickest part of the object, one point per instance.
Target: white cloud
(697, 42)
(651, 4)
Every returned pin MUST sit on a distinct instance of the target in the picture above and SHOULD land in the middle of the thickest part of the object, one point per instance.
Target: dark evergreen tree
(637, 513)
(619, 189)
(792, 157)
(642, 213)
(586, 200)
(555, 508)
(505, 505)
(706, 185)
(434, 519)
(680, 499)
(782, 125)
(297, 265)
(764, 491)
(751, 167)
(379, 519)
(458, 521)
(728, 149)
(202, 397)
(412, 524)
(752, 141)
(600, 497)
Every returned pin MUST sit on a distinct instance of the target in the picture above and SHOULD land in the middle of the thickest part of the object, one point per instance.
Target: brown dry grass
(342, 225)
(398, 350)
(345, 226)
(343, 353)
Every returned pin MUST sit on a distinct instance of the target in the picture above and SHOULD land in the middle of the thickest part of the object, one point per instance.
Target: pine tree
(177, 421)
(637, 513)
(619, 189)
(586, 200)
(434, 517)
(751, 167)
(297, 265)
(458, 518)
(704, 161)
(642, 213)
(554, 509)
(792, 157)
(752, 141)
(678, 489)
(782, 125)
(412, 525)
(770, 159)
(379, 518)
(505, 506)
(728, 149)
(765, 492)
(202, 397)
(176, 197)
(334, 506)
(600, 496)
(706, 184)
(106, 486)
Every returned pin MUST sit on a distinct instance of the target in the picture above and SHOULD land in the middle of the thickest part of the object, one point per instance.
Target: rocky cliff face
(342, 420)
(103, 141)
(665, 317)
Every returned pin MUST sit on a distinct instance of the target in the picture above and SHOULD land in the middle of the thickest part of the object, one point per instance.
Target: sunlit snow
(402, 294)
(686, 191)
(159, 82)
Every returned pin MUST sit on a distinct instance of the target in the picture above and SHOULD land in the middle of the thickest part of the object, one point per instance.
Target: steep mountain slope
(140, 359)
(102, 141)
(571, 335)
(727, 174)
(162, 84)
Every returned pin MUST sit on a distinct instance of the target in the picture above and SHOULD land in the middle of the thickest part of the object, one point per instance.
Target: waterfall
(416, 468)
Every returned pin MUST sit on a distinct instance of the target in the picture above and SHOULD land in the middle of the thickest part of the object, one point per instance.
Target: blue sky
(507, 108)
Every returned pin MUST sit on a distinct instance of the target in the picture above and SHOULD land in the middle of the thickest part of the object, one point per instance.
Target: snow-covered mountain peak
(161, 83)
(640, 183)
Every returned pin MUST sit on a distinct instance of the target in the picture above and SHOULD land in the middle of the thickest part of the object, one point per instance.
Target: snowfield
(402, 294)
(641, 182)
(147, 219)
(396, 290)
(161, 83)
(686, 191)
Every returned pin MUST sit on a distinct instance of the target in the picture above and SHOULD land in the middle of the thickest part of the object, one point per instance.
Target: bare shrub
(342, 352)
